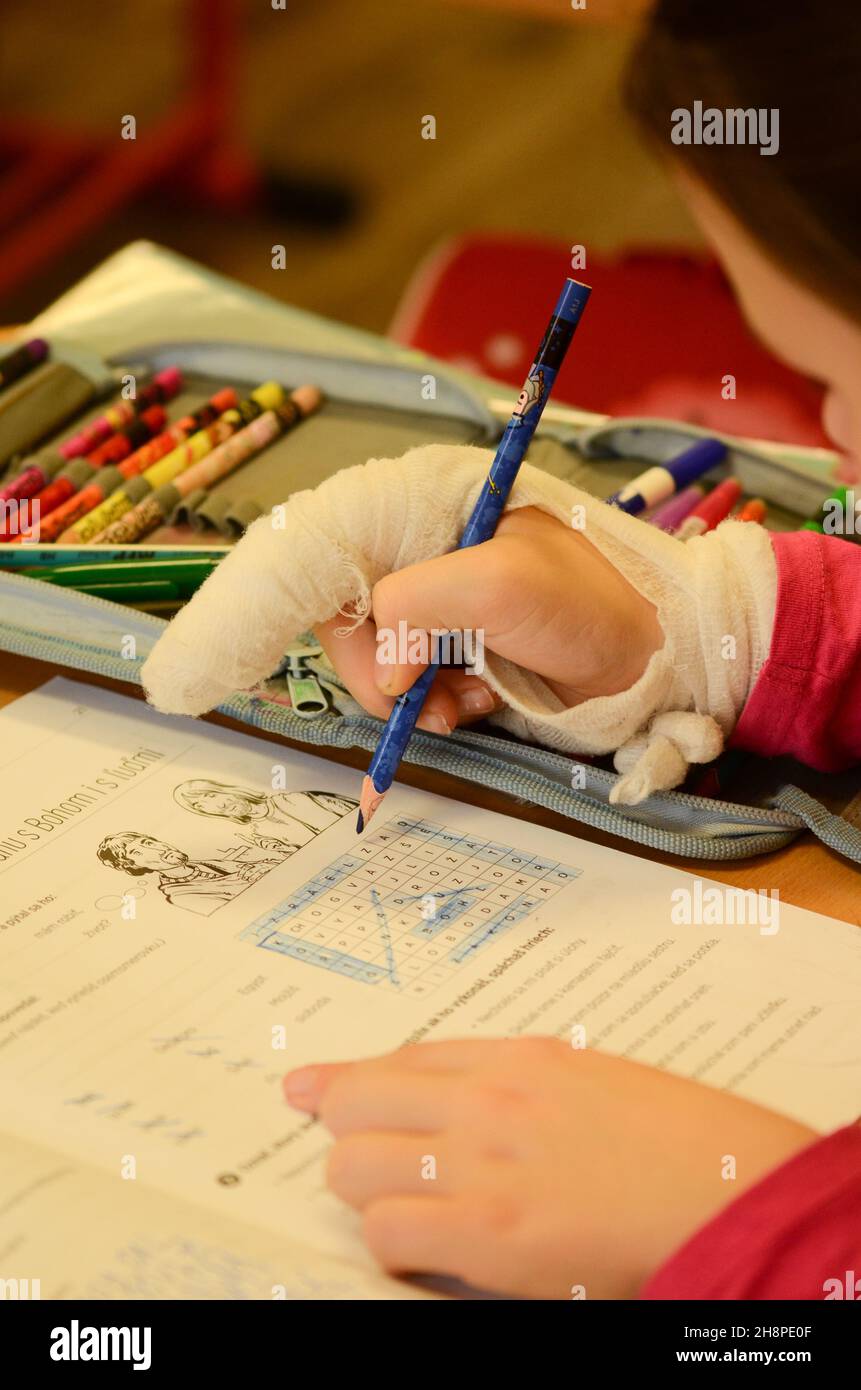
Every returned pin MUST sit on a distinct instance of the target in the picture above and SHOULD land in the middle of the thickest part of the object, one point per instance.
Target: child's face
(801, 329)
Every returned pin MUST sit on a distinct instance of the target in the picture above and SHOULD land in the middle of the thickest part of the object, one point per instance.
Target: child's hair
(804, 59)
(189, 793)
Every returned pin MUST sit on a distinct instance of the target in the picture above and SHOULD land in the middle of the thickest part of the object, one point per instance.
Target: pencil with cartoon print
(482, 524)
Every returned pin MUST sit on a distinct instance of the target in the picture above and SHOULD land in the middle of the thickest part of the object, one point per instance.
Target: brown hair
(803, 58)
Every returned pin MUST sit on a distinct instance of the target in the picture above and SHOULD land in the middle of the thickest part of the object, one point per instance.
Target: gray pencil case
(91, 634)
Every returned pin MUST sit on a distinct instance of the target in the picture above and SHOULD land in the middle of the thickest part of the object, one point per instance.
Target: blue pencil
(488, 508)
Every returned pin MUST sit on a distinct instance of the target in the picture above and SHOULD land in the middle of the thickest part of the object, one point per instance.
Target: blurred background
(530, 134)
(302, 126)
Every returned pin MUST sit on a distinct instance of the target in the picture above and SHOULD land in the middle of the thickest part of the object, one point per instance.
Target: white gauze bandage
(321, 553)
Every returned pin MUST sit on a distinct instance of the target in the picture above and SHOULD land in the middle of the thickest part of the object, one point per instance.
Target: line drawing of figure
(198, 885)
(288, 818)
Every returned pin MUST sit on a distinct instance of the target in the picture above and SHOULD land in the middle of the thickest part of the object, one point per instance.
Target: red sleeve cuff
(796, 1234)
(806, 702)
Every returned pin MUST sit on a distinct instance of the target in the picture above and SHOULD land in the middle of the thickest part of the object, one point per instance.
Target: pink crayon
(163, 387)
(35, 475)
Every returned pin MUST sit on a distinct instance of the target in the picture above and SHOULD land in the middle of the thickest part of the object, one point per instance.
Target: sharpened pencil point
(368, 803)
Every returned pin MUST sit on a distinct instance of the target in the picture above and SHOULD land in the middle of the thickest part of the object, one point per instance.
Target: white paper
(152, 1042)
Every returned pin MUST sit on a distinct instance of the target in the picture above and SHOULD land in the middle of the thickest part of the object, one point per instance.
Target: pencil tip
(368, 803)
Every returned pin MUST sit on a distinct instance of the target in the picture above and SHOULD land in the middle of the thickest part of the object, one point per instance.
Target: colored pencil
(481, 526)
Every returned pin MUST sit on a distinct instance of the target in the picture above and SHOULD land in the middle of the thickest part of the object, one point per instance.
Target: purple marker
(22, 360)
(673, 513)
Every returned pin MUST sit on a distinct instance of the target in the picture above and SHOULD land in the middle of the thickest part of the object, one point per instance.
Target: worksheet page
(186, 913)
(69, 1230)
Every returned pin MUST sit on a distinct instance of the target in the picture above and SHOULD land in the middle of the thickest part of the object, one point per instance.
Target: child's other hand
(542, 595)
(554, 1168)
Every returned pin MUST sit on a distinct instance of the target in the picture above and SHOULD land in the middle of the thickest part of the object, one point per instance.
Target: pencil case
(90, 634)
(381, 400)
(384, 401)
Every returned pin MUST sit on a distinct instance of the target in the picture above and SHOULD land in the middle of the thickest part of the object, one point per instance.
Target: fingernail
(434, 724)
(300, 1086)
(479, 700)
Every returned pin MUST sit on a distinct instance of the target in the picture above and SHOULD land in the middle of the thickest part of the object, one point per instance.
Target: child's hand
(554, 1168)
(540, 594)
(602, 634)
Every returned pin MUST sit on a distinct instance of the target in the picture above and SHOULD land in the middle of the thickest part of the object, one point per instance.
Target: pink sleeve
(784, 1238)
(807, 700)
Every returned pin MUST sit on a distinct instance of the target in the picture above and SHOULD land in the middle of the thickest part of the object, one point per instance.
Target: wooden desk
(805, 873)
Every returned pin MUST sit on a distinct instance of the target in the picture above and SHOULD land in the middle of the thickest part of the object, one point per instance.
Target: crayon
(112, 508)
(73, 477)
(154, 449)
(115, 418)
(103, 484)
(714, 508)
(164, 386)
(46, 499)
(164, 443)
(481, 525)
(21, 360)
(143, 427)
(36, 474)
(660, 482)
(158, 505)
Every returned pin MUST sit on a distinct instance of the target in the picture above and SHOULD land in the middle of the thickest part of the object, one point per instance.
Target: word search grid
(409, 905)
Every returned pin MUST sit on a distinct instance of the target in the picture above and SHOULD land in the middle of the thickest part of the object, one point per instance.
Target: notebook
(188, 913)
